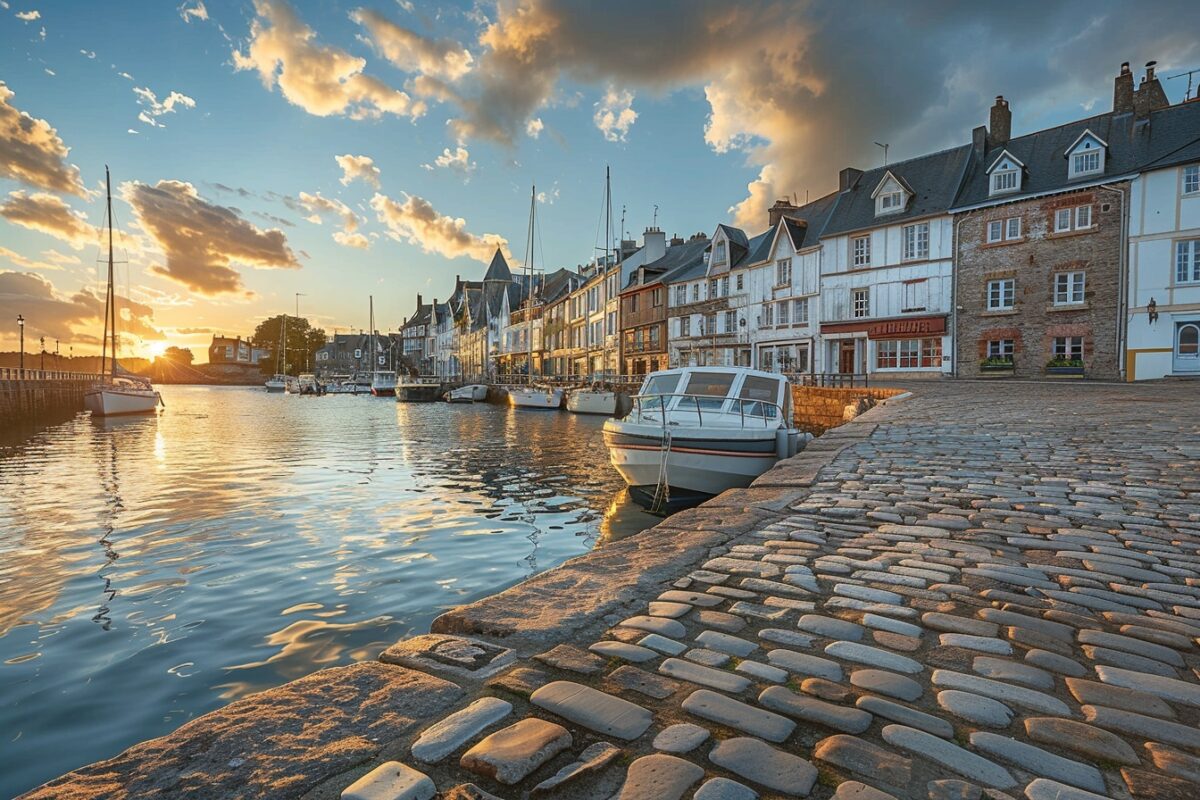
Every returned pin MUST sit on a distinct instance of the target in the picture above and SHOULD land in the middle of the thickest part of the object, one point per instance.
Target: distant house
(233, 350)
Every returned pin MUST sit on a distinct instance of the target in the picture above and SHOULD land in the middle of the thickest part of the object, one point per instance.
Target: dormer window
(890, 195)
(718, 256)
(890, 201)
(1005, 174)
(1086, 156)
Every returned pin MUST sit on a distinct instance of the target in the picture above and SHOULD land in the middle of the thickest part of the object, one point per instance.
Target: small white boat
(121, 395)
(340, 384)
(307, 383)
(471, 393)
(535, 397)
(276, 383)
(594, 400)
(696, 431)
(383, 383)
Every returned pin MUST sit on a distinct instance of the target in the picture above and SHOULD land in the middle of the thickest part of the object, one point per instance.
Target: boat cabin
(723, 397)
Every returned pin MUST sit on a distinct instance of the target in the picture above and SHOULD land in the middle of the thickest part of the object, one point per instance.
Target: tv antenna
(885, 147)
(654, 224)
(1188, 94)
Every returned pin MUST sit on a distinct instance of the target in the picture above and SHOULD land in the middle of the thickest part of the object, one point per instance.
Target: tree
(180, 355)
(303, 342)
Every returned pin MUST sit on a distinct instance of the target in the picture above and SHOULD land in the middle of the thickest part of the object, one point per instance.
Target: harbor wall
(24, 400)
(816, 409)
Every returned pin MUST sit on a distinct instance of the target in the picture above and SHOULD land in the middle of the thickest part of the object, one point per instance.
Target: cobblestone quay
(980, 591)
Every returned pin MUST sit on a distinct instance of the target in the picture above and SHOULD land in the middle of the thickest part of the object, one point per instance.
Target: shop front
(908, 345)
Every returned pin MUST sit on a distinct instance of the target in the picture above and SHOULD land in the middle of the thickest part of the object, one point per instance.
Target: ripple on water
(153, 569)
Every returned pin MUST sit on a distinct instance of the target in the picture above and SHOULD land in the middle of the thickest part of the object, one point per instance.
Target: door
(846, 352)
(1187, 347)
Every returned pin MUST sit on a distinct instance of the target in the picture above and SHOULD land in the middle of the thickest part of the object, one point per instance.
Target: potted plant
(997, 365)
(1065, 366)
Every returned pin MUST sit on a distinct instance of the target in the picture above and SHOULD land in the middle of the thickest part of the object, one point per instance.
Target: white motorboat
(276, 383)
(471, 393)
(696, 431)
(383, 383)
(307, 383)
(119, 391)
(545, 397)
(593, 400)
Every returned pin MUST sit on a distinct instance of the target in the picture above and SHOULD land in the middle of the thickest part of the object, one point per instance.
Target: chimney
(979, 141)
(1123, 91)
(698, 237)
(1149, 95)
(655, 243)
(782, 208)
(847, 178)
(676, 239)
(1000, 129)
(418, 301)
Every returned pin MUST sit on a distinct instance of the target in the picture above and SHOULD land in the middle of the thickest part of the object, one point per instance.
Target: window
(915, 293)
(695, 292)
(784, 313)
(719, 252)
(1004, 180)
(908, 353)
(725, 286)
(862, 251)
(995, 231)
(1191, 179)
(685, 326)
(768, 316)
(1000, 348)
(1068, 288)
(731, 322)
(1069, 348)
(890, 202)
(860, 302)
(656, 297)
(916, 241)
(1187, 261)
(1083, 217)
(783, 272)
(357, 352)
(680, 295)
(1012, 228)
(799, 312)
(1085, 163)
(1062, 220)
(713, 285)
(1189, 341)
(714, 385)
(739, 282)
(633, 303)
(1001, 294)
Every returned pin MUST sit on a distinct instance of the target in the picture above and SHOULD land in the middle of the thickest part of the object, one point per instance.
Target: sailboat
(279, 381)
(596, 399)
(121, 392)
(383, 381)
(532, 396)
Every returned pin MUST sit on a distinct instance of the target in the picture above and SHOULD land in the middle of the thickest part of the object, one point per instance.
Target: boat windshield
(758, 396)
(713, 387)
(661, 385)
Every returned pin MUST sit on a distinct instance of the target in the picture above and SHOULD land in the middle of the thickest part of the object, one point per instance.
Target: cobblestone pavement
(981, 591)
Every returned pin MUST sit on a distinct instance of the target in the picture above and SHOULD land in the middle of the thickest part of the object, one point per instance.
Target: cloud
(316, 204)
(356, 240)
(49, 214)
(201, 240)
(412, 52)
(534, 127)
(320, 79)
(358, 167)
(29, 16)
(152, 108)
(458, 161)
(190, 12)
(417, 222)
(75, 318)
(24, 262)
(614, 114)
(32, 152)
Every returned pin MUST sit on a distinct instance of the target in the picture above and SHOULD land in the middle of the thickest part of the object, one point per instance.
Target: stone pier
(980, 590)
(30, 394)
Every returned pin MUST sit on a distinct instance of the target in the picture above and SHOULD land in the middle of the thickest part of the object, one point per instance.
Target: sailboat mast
(529, 282)
(374, 345)
(110, 303)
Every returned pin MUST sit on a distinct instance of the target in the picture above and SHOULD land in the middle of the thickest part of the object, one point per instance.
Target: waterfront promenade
(982, 590)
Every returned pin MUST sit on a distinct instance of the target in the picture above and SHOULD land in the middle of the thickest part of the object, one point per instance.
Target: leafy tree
(303, 342)
(180, 355)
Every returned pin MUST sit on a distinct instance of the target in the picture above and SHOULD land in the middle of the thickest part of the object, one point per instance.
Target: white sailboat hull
(114, 402)
(588, 401)
(275, 385)
(535, 398)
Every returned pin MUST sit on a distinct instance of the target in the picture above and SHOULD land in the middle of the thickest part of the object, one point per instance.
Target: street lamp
(42, 340)
(21, 327)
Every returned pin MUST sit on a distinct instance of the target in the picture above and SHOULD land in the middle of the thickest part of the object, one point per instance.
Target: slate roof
(678, 257)
(805, 224)
(934, 180)
(498, 270)
(558, 283)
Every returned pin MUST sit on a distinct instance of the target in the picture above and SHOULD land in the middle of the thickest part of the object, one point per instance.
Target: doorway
(1186, 356)
(847, 350)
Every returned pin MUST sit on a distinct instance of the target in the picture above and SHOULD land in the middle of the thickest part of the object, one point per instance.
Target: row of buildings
(1072, 250)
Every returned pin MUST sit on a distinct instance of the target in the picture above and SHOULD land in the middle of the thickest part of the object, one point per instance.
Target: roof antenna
(654, 224)
(1188, 94)
(623, 233)
(885, 147)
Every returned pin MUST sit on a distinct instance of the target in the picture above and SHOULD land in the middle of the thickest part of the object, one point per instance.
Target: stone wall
(31, 400)
(817, 409)
(1032, 261)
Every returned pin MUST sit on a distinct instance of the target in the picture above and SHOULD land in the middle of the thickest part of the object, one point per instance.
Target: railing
(17, 374)
(835, 380)
(738, 406)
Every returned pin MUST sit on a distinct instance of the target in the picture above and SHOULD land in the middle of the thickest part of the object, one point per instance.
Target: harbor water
(155, 568)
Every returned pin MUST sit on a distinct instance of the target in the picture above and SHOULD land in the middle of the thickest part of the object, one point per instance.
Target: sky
(266, 148)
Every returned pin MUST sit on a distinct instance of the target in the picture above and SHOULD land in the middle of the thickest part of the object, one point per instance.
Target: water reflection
(242, 539)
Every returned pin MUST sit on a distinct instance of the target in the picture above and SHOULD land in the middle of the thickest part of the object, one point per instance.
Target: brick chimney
(979, 141)
(676, 239)
(1123, 91)
(1149, 95)
(1000, 127)
(418, 301)
(782, 208)
(847, 178)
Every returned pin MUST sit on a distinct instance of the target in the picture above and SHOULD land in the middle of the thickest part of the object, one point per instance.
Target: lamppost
(42, 340)
(57, 364)
(21, 328)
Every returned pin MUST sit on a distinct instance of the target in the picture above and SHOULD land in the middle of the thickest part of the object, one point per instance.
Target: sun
(156, 349)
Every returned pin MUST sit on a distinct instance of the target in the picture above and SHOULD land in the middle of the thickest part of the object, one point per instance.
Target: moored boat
(696, 431)
(307, 383)
(544, 397)
(418, 391)
(383, 383)
(276, 383)
(593, 400)
(471, 393)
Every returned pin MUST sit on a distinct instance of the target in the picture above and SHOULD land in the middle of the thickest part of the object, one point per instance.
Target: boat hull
(546, 399)
(116, 402)
(587, 401)
(274, 387)
(472, 393)
(383, 391)
(418, 393)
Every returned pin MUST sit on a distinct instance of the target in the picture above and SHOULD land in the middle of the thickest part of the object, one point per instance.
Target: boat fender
(782, 443)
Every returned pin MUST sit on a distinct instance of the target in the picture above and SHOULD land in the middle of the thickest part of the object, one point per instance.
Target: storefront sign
(907, 328)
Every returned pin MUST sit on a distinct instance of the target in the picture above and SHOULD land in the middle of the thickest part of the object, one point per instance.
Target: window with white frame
(916, 241)
(1087, 162)
(783, 315)
(681, 294)
(1001, 294)
(1001, 348)
(713, 286)
(1062, 220)
(740, 282)
(725, 286)
(1083, 217)
(1012, 228)
(768, 315)
(915, 293)
(685, 326)
(1068, 288)
(995, 231)
(1005, 180)
(1187, 261)
(860, 302)
(718, 256)
(695, 292)
(800, 312)
(1191, 179)
(890, 202)
(731, 322)
(783, 272)
(1068, 219)
(1068, 347)
(862, 251)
